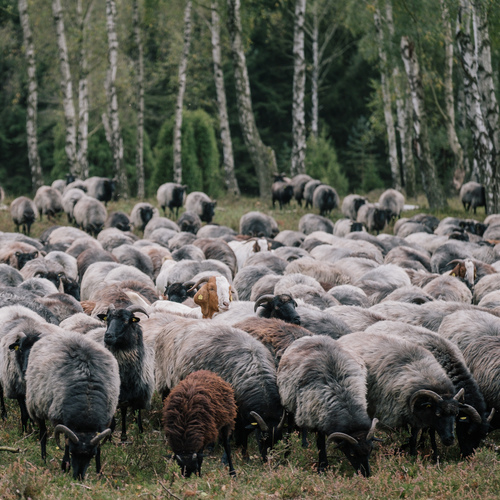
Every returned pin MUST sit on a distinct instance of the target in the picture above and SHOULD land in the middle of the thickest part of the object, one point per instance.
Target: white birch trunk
(66, 88)
(262, 156)
(83, 96)
(139, 151)
(430, 181)
(484, 149)
(180, 94)
(449, 98)
(32, 102)
(386, 97)
(315, 73)
(299, 89)
(225, 133)
(113, 116)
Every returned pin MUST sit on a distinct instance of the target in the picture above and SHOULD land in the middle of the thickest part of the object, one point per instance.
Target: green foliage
(322, 163)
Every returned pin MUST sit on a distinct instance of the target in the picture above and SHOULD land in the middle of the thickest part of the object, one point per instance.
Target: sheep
(90, 215)
(473, 195)
(325, 199)
(218, 250)
(321, 322)
(59, 184)
(189, 222)
(132, 256)
(123, 338)
(309, 223)
(188, 252)
(281, 306)
(349, 295)
(405, 256)
(74, 383)
(91, 256)
(48, 201)
(298, 182)
(324, 387)
(282, 192)
(171, 195)
(69, 199)
(63, 234)
(246, 278)
(216, 231)
(184, 346)
(406, 387)
(351, 204)
(309, 189)
(373, 217)
(101, 188)
(214, 296)
(412, 294)
(345, 226)
(258, 225)
(201, 204)
(448, 288)
(290, 238)
(9, 276)
(158, 223)
(393, 201)
(472, 422)
(141, 214)
(199, 408)
(484, 286)
(23, 212)
(243, 249)
(112, 237)
(16, 254)
(118, 219)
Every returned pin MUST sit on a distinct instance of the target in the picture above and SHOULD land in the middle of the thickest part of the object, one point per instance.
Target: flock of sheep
(329, 329)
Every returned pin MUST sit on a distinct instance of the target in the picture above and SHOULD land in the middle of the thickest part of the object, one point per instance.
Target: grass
(143, 469)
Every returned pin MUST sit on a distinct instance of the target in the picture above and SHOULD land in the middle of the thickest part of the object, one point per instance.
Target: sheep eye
(134, 320)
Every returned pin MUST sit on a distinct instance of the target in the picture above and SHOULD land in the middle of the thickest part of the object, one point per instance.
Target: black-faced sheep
(473, 195)
(324, 387)
(198, 410)
(373, 217)
(171, 195)
(309, 189)
(23, 212)
(258, 225)
(393, 201)
(281, 306)
(73, 382)
(310, 223)
(298, 182)
(325, 199)
(69, 199)
(101, 188)
(189, 222)
(141, 214)
(48, 201)
(90, 215)
(282, 192)
(201, 204)
(16, 254)
(351, 204)
(120, 220)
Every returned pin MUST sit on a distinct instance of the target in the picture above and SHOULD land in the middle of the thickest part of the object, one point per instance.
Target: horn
(282, 421)
(135, 308)
(67, 432)
(99, 437)
(261, 300)
(341, 435)
(491, 415)
(424, 392)
(263, 426)
(111, 307)
(459, 395)
(371, 432)
(455, 261)
(472, 412)
(204, 279)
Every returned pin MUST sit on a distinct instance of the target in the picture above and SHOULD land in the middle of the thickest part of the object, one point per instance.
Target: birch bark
(262, 156)
(299, 89)
(225, 134)
(66, 88)
(430, 181)
(180, 94)
(32, 103)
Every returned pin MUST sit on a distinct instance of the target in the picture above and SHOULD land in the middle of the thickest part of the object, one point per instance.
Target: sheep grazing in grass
(393, 201)
(199, 409)
(201, 204)
(23, 212)
(48, 201)
(171, 195)
(473, 195)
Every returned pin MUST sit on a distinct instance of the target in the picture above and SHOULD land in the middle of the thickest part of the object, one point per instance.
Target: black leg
(432, 434)
(66, 461)
(139, 421)
(2, 404)
(413, 441)
(322, 459)
(227, 449)
(98, 460)
(24, 413)
(124, 424)
(43, 438)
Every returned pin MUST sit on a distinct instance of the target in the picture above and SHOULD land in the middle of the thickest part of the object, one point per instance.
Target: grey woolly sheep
(298, 182)
(189, 222)
(350, 295)
(345, 226)
(473, 195)
(112, 237)
(309, 223)
(325, 199)
(282, 192)
(216, 231)
(23, 212)
(90, 215)
(118, 219)
(358, 318)
(171, 195)
(141, 214)
(258, 225)
(393, 201)
(69, 199)
(218, 250)
(201, 204)
(158, 223)
(351, 204)
(247, 277)
(309, 189)
(373, 217)
(448, 288)
(101, 188)
(48, 201)
(132, 256)
(16, 254)
(180, 239)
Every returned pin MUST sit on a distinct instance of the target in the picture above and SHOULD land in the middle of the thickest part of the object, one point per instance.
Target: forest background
(354, 70)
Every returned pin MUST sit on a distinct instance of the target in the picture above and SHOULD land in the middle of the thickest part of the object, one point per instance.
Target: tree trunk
(66, 88)
(139, 150)
(83, 96)
(32, 100)
(262, 156)
(386, 96)
(113, 116)
(225, 133)
(180, 94)
(299, 90)
(449, 98)
(430, 181)
(484, 148)
(315, 73)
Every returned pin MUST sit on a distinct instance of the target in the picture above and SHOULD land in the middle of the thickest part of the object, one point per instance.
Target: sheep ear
(102, 317)
(15, 346)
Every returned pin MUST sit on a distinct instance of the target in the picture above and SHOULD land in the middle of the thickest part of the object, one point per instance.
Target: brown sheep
(197, 410)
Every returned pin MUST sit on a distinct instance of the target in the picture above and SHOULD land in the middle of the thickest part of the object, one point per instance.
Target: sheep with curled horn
(214, 296)
(281, 306)
(124, 339)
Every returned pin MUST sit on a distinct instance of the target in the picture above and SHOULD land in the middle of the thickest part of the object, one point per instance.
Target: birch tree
(66, 88)
(112, 120)
(139, 63)
(387, 100)
(180, 94)
(299, 90)
(32, 101)
(262, 156)
(485, 154)
(430, 181)
(225, 133)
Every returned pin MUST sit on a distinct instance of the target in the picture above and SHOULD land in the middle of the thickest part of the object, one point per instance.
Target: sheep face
(22, 258)
(177, 197)
(358, 453)
(465, 270)
(281, 307)
(176, 292)
(146, 215)
(117, 331)
(190, 463)
(22, 348)
(470, 432)
(207, 211)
